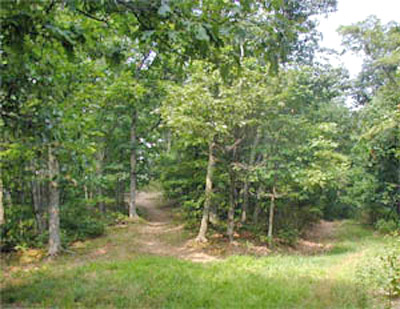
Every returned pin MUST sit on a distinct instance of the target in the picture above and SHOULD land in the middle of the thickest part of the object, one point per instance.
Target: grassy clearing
(278, 281)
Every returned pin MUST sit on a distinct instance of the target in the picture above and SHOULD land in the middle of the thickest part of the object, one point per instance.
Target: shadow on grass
(155, 282)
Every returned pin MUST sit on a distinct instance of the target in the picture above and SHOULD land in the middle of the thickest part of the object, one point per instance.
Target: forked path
(160, 235)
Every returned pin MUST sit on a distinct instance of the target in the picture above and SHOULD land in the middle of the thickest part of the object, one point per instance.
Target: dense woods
(222, 105)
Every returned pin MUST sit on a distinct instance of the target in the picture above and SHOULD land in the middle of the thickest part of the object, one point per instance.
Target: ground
(153, 263)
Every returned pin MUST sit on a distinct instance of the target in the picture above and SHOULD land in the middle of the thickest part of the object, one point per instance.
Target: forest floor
(153, 263)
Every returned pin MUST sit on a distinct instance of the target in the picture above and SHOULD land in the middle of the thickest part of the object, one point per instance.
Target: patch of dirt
(318, 239)
(322, 231)
(159, 235)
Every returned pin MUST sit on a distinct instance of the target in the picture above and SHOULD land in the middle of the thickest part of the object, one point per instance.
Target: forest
(196, 154)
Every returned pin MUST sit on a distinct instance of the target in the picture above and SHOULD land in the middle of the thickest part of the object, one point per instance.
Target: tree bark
(257, 207)
(213, 216)
(201, 237)
(54, 206)
(38, 204)
(85, 191)
(271, 216)
(132, 193)
(252, 158)
(2, 218)
(99, 172)
(38, 195)
(231, 210)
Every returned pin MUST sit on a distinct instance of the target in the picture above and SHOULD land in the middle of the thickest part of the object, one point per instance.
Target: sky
(350, 12)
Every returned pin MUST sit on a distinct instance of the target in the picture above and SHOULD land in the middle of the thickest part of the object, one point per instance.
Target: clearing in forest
(153, 264)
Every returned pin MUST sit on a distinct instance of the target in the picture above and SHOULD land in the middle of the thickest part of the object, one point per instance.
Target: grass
(277, 281)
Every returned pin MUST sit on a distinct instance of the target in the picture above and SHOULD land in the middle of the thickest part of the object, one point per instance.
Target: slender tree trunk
(201, 237)
(38, 204)
(118, 194)
(2, 218)
(38, 197)
(231, 210)
(99, 172)
(169, 141)
(252, 158)
(257, 207)
(85, 191)
(132, 197)
(213, 216)
(54, 206)
(271, 216)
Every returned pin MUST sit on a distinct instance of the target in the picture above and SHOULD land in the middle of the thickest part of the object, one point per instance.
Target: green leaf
(201, 34)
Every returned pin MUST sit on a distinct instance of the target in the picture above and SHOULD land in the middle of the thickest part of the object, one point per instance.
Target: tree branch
(93, 17)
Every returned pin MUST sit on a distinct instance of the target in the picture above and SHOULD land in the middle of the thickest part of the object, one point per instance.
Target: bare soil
(160, 235)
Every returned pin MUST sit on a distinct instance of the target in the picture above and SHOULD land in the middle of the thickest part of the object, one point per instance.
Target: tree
(376, 154)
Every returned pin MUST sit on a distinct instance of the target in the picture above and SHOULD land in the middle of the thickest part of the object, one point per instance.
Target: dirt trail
(318, 238)
(322, 231)
(160, 235)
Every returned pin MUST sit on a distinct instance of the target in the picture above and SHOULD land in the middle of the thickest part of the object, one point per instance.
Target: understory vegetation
(229, 110)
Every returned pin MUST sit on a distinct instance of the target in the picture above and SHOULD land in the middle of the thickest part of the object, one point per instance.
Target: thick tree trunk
(271, 216)
(201, 237)
(231, 210)
(132, 192)
(252, 158)
(54, 206)
(2, 218)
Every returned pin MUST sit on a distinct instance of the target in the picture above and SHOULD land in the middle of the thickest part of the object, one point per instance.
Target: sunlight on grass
(277, 281)
(239, 282)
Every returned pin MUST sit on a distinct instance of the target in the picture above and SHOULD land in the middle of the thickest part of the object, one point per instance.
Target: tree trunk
(2, 219)
(99, 172)
(169, 141)
(132, 196)
(231, 210)
(201, 237)
(85, 190)
(271, 217)
(252, 158)
(257, 208)
(213, 216)
(38, 196)
(38, 205)
(54, 206)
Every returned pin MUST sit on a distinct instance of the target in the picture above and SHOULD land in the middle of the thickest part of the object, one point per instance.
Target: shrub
(79, 223)
(382, 273)
(387, 226)
(19, 228)
(288, 236)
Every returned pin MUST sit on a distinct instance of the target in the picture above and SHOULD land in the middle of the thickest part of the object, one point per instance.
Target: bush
(382, 273)
(387, 226)
(76, 223)
(19, 229)
(80, 223)
(288, 236)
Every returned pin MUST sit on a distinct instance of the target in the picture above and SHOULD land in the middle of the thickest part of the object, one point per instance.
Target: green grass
(278, 281)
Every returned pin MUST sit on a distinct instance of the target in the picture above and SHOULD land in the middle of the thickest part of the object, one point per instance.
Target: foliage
(19, 229)
(376, 151)
(382, 274)
(387, 226)
(80, 223)
(238, 76)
